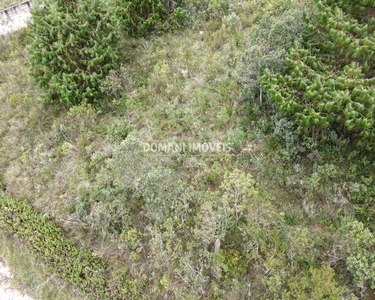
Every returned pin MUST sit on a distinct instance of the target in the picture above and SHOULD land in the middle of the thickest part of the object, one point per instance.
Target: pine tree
(362, 10)
(330, 80)
(73, 47)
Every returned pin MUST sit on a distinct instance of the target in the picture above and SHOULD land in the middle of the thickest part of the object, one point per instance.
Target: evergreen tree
(330, 80)
(73, 48)
(360, 9)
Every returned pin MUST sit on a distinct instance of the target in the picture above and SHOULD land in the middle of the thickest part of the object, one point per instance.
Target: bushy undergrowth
(269, 44)
(81, 269)
(300, 136)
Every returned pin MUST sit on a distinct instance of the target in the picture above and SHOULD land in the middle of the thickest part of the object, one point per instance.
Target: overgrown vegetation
(284, 214)
(328, 87)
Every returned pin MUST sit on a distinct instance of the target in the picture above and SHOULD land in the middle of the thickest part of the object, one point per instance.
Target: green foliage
(162, 196)
(360, 243)
(363, 198)
(118, 130)
(140, 17)
(237, 201)
(73, 48)
(118, 82)
(218, 8)
(31, 277)
(329, 82)
(316, 284)
(285, 133)
(268, 46)
(359, 9)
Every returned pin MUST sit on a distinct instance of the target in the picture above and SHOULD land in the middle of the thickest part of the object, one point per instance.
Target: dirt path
(6, 292)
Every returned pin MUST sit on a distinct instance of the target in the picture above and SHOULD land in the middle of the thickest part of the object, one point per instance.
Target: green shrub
(140, 17)
(360, 256)
(268, 47)
(118, 130)
(197, 9)
(104, 208)
(316, 284)
(82, 269)
(217, 9)
(285, 133)
(163, 195)
(362, 195)
(129, 182)
(31, 277)
(49, 243)
(118, 83)
(73, 48)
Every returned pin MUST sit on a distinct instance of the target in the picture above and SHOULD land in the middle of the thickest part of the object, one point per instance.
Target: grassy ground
(184, 88)
(180, 88)
(7, 3)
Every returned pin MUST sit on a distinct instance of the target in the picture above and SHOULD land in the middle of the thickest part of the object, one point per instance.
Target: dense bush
(140, 17)
(285, 133)
(268, 45)
(73, 47)
(266, 48)
(360, 9)
(330, 83)
(49, 243)
(211, 241)
(359, 254)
